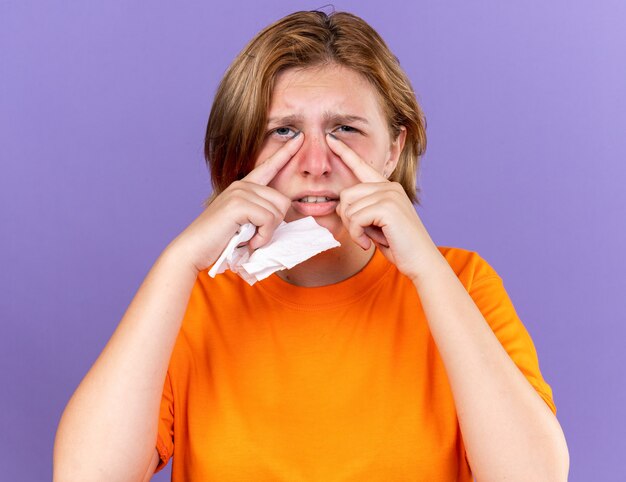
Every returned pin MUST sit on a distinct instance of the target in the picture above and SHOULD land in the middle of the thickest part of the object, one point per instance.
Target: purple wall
(102, 114)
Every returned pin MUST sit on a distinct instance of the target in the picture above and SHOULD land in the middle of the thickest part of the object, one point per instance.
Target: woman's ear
(395, 149)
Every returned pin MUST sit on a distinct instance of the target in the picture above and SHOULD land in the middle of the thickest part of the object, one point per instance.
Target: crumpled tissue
(291, 244)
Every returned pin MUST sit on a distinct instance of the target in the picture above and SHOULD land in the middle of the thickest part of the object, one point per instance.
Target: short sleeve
(165, 436)
(488, 292)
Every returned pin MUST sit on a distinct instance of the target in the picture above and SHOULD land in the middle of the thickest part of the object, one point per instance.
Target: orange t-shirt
(277, 382)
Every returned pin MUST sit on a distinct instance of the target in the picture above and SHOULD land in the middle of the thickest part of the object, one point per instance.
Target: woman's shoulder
(469, 266)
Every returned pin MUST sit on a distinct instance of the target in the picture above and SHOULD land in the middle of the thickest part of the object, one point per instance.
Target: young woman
(387, 358)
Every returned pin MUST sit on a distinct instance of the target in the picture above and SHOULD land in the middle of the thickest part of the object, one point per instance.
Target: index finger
(361, 169)
(267, 170)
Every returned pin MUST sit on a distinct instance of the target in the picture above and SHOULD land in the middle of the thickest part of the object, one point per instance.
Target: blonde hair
(237, 123)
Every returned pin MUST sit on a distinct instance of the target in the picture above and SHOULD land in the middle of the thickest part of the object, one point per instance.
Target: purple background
(103, 108)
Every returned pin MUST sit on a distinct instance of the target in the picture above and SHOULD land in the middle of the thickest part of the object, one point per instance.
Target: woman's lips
(315, 206)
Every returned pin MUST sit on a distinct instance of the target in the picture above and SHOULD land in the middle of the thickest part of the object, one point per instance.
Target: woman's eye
(283, 132)
(345, 129)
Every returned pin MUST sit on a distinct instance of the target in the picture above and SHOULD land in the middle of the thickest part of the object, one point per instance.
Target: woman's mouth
(314, 199)
(315, 205)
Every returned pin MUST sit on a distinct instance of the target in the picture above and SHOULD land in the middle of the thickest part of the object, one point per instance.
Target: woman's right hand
(249, 200)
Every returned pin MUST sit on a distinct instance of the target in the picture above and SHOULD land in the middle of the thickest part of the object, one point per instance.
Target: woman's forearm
(109, 427)
(508, 430)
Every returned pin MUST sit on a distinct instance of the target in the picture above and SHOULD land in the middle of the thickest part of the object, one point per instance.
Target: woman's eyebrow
(288, 119)
(344, 118)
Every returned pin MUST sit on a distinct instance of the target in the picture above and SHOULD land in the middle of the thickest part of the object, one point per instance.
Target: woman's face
(317, 101)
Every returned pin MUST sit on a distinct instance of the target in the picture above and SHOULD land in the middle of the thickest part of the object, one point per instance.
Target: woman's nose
(314, 157)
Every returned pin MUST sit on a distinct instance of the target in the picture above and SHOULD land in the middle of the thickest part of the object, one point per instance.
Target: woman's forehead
(326, 92)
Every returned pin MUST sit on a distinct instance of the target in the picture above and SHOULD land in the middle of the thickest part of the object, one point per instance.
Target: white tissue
(291, 244)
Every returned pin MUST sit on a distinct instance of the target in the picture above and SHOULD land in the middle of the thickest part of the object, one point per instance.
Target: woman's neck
(330, 266)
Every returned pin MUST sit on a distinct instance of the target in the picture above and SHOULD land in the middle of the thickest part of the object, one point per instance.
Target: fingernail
(333, 136)
(296, 134)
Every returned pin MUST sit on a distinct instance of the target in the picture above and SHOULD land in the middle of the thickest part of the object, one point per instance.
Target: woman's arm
(108, 430)
(508, 430)
(109, 427)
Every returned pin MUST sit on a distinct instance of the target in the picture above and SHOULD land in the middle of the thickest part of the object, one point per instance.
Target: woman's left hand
(379, 210)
